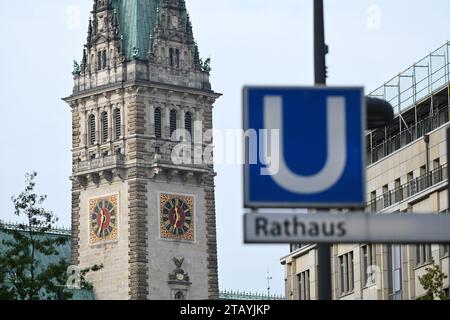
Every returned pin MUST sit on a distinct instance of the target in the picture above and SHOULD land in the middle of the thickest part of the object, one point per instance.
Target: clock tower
(143, 180)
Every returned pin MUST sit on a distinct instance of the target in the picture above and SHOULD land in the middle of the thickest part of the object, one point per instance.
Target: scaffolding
(420, 96)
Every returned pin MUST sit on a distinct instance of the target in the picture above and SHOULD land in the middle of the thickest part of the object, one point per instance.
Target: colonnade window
(117, 124)
(105, 135)
(173, 122)
(188, 124)
(158, 126)
(91, 133)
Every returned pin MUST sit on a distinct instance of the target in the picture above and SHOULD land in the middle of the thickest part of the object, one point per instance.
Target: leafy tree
(433, 283)
(22, 275)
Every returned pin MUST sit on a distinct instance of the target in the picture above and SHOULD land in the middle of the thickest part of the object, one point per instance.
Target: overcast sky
(250, 42)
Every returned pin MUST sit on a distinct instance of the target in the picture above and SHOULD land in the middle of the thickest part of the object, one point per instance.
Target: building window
(117, 124)
(173, 122)
(158, 128)
(411, 184)
(386, 196)
(171, 57)
(104, 59)
(99, 60)
(304, 286)
(398, 191)
(395, 272)
(177, 58)
(437, 171)
(373, 201)
(368, 264)
(444, 250)
(346, 275)
(104, 127)
(92, 137)
(423, 254)
(188, 124)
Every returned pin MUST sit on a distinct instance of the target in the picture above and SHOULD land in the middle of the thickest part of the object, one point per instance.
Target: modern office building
(406, 172)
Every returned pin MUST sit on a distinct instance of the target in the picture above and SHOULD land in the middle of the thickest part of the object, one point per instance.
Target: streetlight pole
(320, 48)
(320, 51)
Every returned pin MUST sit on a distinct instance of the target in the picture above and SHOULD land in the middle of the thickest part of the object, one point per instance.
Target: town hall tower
(140, 91)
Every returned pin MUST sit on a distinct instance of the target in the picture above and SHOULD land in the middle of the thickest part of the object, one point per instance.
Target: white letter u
(336, 148)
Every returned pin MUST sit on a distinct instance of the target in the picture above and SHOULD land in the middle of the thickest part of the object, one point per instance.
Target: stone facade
(117, 150)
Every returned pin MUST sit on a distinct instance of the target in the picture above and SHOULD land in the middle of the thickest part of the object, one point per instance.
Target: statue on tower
(76, 68)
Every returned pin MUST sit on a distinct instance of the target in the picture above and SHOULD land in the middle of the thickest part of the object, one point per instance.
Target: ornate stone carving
(179, 276)
(154, 172)
(94, 177)
(82, 180)
(119, 173)
(185, 176)
(201, 178)
(107, 175)
(170, 174)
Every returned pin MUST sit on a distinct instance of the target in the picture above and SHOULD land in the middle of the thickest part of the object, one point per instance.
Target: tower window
(118, 124)
(104, 59)
(171, 57)
(92, 129)
(99, 60)
(188, 124)
(104, 127)
(158, 131)
(177, 58)
(173, 122)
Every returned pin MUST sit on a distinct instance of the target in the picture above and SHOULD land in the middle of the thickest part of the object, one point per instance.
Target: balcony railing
(407, 136)
(408, 189)
(98, 163)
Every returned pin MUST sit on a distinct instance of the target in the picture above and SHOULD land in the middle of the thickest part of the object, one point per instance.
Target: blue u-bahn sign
(304, 147)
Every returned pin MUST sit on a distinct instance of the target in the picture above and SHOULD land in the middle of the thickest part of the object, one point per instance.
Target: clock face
(103, 215)
(176, 217)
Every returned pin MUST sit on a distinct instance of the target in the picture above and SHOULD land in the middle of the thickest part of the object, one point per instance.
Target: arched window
(91, 133)
(99, 60)
(104, 127)
(158, 128)
(177, 58)
(104, 60)
(173, 122)
(117, 124)
(171, 57)
(188, 124)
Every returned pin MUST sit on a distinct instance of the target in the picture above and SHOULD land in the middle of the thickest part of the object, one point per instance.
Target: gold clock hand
(102, 221)
(177, 215)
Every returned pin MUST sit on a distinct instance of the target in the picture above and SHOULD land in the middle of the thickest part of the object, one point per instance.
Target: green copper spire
(137, 20)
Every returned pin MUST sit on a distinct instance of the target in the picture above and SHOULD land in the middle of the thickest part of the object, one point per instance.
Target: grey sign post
(401, 228)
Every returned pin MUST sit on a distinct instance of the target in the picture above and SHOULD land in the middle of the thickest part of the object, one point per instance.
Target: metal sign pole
(323, 250)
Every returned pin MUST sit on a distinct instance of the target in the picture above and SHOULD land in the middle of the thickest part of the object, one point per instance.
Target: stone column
(182, 113)
(97, 125)
(166, 128)
(110, 123)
